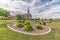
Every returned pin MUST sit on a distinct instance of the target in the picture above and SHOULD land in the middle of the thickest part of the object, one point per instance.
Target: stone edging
(29, 33)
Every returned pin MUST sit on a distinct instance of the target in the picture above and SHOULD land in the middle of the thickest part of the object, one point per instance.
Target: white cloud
(21, 7)
(51, 13)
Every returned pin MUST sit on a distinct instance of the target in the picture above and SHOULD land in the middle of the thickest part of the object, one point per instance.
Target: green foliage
(8, 34)
(32, 19)
(19, 17)
(4, 13)
(20, 25)
(27, 22)
(51, 20)
(28, 28)
(40, 23)
(21, 21)
(39, 27)
(44, 23)
(37, 18)
(4, 18)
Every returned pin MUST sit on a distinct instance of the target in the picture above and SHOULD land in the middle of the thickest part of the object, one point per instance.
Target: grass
(7, 34)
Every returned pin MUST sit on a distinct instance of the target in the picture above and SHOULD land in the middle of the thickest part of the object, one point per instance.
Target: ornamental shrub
(27, 22)
(39, 27)
(28, 28)
(44, 23)
(20, 25)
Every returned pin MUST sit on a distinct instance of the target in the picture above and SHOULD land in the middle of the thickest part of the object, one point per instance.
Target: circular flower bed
(30, 27)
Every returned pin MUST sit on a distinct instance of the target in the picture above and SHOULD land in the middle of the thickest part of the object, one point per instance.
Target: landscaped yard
(8, 34)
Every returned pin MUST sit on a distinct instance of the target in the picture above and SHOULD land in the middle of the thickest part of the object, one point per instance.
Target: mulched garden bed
(45, 29)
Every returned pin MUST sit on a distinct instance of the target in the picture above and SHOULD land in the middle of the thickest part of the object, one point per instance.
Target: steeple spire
(28, 11)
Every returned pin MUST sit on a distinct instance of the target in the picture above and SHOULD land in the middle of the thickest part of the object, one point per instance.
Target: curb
(29, 33)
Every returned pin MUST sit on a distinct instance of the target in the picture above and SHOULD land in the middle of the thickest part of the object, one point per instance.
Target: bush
(44, 23)
(20, 25)
(40, 23)
(27, 22)
(39, 27)
(28, 28)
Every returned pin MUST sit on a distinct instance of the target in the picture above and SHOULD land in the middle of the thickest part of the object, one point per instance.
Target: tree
(4, 13)
(51, 20)
(19, 17)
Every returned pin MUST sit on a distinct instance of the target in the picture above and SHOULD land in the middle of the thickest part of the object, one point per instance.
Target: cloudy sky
(38, 8)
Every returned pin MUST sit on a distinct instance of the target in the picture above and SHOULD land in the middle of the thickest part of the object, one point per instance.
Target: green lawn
(7, 34)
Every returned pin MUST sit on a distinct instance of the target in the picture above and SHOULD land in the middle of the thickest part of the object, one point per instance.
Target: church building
(27, 16)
